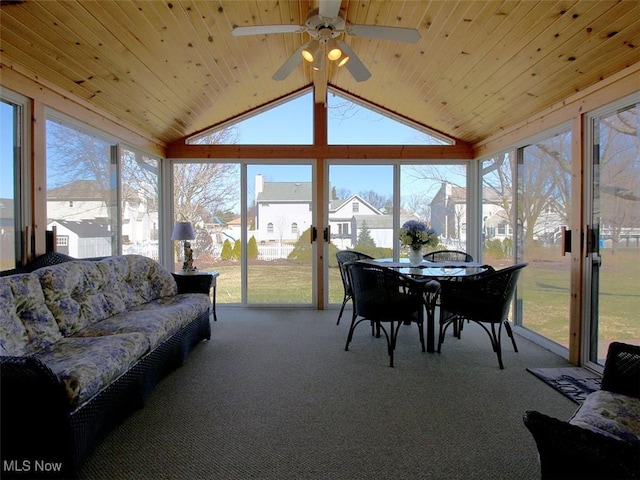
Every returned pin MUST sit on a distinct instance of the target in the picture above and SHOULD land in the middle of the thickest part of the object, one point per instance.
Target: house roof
(375, 222)
(87, 190)
(85, 228)
(285, 192)
(335, 205)
(168, 69)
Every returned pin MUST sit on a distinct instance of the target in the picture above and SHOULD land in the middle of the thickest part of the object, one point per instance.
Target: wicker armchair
(483, 299)
(448, 256)
(382, 295)
(344, 257)
(568, 451)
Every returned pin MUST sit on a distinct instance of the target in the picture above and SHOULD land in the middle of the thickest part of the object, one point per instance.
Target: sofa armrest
(34, 411)
(570, 452)
(622, 369)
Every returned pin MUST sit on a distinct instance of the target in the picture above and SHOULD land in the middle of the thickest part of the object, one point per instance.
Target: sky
(6, 151)
(349, 124)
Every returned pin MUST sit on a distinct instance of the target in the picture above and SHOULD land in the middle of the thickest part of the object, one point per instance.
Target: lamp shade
(183, 231)
(333, 50)
(310, 51)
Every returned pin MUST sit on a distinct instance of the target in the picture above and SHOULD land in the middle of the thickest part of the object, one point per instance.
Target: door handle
(327, 233)
(587, 241)
(313, 234)
(566, 240)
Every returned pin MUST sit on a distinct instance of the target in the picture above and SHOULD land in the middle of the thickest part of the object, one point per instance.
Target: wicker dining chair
(448, 256)
(485, 300)
(385, 296)
(344, 257)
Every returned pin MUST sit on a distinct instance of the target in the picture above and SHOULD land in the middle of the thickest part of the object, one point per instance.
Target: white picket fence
(274, 251)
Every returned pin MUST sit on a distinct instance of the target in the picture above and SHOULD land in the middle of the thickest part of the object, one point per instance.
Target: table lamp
(184, 231)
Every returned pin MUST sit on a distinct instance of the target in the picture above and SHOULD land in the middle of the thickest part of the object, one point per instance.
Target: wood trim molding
(402, 152)
(25, 83)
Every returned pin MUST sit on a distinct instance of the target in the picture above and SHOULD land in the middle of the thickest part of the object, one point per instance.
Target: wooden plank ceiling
(172, 68)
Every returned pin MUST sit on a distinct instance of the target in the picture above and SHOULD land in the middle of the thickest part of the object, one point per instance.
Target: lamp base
(187, 265)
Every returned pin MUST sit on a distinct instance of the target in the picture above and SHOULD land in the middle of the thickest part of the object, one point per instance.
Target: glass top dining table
(432, 271)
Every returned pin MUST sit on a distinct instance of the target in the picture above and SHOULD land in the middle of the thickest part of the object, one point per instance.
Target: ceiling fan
(325, 25)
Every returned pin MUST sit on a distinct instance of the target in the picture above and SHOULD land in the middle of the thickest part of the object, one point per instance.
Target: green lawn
(543, 287)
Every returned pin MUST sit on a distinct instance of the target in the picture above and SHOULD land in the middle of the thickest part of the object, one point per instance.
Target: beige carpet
(274, 395)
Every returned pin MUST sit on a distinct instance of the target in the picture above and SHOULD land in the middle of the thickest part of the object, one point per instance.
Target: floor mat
(574, 383)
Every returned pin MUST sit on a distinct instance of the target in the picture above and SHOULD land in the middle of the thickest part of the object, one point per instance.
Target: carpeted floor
(274, 395)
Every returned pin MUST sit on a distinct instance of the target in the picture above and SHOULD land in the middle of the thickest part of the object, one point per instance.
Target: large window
(139, 203)
(11, 142)
(535, 180)
(208, 195)
(82, 198)
(99, 202)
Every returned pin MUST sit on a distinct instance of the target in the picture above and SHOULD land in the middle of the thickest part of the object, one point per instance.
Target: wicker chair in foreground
(382, 295)
(448, 256)
(484, 299)
(602, 438)
(344, 257)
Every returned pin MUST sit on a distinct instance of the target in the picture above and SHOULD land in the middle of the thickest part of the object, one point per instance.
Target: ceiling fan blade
(397, 34)
(354, 65)
(267, 29)
(328, 9)
(292, 62)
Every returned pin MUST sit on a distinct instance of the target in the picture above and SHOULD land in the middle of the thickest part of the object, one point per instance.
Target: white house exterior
(82, 216)
(344, 223)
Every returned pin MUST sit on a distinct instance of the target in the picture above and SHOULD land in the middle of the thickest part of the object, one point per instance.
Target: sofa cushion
(87, 365)
(157, 320)
(79, 293)
(149, 279)
(143, 280)
(26, 324)
(610, 414)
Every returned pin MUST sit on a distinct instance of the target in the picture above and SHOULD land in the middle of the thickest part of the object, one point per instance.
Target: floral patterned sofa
(602, 438)
(82, 345)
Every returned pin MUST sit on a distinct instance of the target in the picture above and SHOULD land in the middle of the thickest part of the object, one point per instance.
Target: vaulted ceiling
(173, 68)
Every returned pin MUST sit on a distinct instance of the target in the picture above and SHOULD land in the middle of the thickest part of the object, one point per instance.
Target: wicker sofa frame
(37, 425)
(567, 451)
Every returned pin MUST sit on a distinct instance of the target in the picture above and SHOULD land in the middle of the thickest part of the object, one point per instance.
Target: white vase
(415, 256)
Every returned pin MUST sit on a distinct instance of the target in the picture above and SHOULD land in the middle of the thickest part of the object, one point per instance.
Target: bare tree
(376, 199)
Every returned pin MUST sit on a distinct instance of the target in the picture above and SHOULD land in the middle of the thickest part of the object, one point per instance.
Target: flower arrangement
(416, 234)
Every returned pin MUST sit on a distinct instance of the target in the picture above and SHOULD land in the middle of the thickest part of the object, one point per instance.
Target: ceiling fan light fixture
(333, 50)
(310, 52)
(345, 58)
(317, 63)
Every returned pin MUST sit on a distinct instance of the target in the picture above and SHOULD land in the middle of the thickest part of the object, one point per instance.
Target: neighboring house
(449, 213)
(83, 238)
(283, 210)
(81, 205)
(344, 223)
(380, 228)
(283, 213)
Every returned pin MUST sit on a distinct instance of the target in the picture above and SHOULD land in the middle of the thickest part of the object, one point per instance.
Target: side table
(198, 282)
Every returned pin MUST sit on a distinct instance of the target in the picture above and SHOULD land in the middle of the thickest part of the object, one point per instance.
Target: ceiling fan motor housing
(323, 29)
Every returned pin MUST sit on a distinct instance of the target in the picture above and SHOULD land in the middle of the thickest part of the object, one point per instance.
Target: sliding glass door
(543, 209)
(613, 247)
(280, 229)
